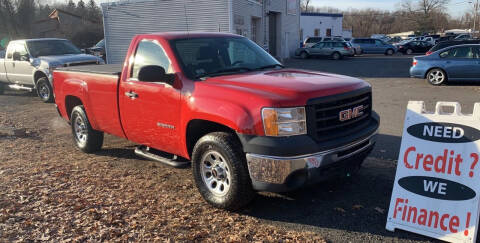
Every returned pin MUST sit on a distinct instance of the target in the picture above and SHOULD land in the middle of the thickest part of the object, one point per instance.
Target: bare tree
(305, 4)
(424, 13)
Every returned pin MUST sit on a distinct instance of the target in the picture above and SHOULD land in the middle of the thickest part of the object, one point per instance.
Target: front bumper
(278, 173)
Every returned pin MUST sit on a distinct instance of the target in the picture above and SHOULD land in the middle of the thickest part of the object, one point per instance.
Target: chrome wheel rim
(409, 51)
(436, 77)
(390, 52)
(215, 173)
(80, 129)
(43, 91)
(336, 56)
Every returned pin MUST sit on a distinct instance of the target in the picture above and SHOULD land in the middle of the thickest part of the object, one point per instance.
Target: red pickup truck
(244, 121)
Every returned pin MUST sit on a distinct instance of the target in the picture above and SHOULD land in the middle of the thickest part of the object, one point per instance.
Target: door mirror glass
(16, 56)
(154, 73)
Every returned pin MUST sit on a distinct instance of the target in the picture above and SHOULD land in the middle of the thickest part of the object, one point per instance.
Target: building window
(329, 32)
(316, 32)
(254, 29)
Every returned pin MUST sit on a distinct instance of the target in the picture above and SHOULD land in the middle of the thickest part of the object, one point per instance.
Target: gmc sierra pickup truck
(244, 121)
(28, 64)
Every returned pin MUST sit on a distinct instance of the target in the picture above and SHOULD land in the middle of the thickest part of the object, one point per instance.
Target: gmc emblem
(349, 114)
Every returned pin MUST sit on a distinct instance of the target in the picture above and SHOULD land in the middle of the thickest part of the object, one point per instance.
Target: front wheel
(44, 90)
(220, 171)
(389, 52)
(409, 51)
(85, 137)
(436, 77)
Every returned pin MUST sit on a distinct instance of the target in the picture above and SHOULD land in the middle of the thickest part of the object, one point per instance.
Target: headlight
(284, 121)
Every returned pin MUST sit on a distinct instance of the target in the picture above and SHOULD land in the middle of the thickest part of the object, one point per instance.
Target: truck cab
(221, 103)
(28, 64)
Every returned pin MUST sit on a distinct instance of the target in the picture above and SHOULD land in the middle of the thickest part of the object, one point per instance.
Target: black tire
(44, 90)
(226, 146)
(84, 137)
(336, 56)
(304, 55)
(389, 52)
(437, 77)
(2, 88)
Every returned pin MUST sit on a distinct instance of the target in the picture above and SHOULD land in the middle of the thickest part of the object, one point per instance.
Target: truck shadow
(355, 204)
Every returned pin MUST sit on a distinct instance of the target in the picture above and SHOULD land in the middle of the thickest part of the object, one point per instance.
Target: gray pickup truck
(28, 64)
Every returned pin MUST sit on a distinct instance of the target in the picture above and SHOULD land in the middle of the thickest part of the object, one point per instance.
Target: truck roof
(184, 34)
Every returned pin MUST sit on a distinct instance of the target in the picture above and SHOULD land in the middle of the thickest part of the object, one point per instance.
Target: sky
(456, 8)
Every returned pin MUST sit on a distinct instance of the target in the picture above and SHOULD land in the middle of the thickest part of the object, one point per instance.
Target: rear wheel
(389, 52)
(436, 76)
(409, 51)
(304, 55)
(220, 171)
(85, 137)
(44, 90)
(336, 56)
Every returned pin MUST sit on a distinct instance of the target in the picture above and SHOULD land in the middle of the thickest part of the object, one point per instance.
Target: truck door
(18, 66)
(150, 111)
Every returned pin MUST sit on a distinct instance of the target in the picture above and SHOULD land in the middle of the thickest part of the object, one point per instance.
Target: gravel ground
(49, 191)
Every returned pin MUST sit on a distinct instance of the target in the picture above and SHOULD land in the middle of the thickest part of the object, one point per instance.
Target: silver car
(334, 49)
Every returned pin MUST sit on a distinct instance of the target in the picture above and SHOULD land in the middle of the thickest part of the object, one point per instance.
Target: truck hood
(289, 86)
(69, 59)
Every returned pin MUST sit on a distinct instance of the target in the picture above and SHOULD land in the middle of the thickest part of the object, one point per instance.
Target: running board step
(19, 87)
(162, 157)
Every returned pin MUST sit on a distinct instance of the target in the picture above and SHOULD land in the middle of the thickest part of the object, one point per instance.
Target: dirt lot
(50, 191)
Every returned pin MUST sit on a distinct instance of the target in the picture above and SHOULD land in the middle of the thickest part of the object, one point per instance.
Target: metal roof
(336, 15)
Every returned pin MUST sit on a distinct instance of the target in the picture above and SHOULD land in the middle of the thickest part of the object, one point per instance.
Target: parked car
(446, 38)
(357, 49)
(98, 50)
(410, 47)
(445, 44)
(395, 40)
(310, 41)
(334, 49)
(374, 46)
(461, 62)
(223, 103)
(463, 37)
(28, 64)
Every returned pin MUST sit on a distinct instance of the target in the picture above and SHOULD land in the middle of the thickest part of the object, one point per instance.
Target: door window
(20, 48)
(459, 52)
(318, 45)
(370, 41)
(378, 42)
(150, 53)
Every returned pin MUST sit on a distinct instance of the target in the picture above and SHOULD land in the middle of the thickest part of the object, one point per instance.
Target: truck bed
(107, 69)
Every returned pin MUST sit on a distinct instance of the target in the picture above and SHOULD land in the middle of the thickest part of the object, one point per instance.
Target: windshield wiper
(270, 66)
(224, 71)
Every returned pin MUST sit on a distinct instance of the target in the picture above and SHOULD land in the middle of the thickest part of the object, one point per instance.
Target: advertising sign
(436, 189)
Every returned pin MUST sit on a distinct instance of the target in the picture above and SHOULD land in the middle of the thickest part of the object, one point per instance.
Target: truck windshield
(51, 48)
(215, 56)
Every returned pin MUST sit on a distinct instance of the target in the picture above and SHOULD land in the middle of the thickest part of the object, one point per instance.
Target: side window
(339, 44)
(476, 52)
(150, 53)
(378, 42)
(318, 45)
(459, 52)
(20, 48)
(328, 44)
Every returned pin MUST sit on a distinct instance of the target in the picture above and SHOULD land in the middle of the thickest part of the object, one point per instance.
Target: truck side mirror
(154, 73)
(16, 56)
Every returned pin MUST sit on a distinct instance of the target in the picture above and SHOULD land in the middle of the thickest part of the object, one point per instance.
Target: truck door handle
(131, 94)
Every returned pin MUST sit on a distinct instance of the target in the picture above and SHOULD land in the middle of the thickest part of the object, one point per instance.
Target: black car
(445, 44)
(410, 47)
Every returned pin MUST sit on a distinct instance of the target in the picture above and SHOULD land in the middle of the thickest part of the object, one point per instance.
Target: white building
(322, 25)
(273, 24)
